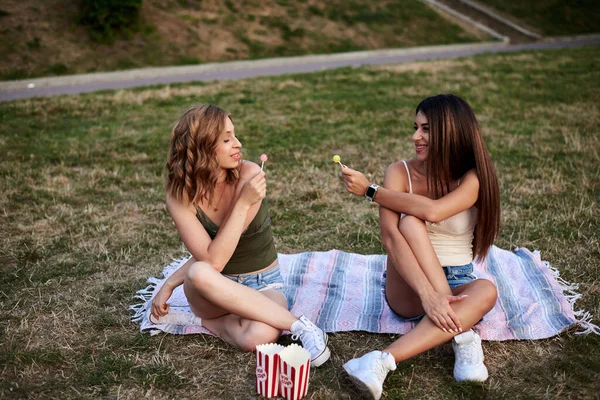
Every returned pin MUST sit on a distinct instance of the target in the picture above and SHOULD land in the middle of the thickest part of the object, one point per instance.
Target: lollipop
(337, 159)
(263, 158)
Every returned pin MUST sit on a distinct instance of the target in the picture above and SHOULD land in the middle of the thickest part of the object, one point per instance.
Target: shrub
(105, 19)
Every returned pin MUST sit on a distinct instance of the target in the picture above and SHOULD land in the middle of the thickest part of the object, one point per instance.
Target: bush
(105, 19)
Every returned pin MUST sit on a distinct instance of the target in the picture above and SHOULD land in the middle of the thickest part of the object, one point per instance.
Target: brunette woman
(437, 212)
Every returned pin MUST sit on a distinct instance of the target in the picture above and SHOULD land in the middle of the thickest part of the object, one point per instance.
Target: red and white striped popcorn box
(267, 369)
(294, 371)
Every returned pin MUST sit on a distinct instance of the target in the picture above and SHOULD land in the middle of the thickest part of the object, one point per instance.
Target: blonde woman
(216, 200)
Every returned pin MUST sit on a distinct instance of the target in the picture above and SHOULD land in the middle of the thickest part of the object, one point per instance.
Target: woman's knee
(489, 293)
(258, 333)
(199, 275)
(408, 224)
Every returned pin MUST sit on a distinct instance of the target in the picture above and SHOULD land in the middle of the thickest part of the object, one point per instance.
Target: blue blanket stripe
(543, 292)
(330, 309)
(298, 268)
(375, 264)
(507, 298)
(373, 303)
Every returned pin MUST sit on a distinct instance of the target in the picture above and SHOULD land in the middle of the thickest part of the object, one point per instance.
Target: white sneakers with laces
(369, 371)
(468, 365)
(313, 339)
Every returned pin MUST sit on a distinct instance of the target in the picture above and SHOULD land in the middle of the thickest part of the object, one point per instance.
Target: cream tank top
(452, 238)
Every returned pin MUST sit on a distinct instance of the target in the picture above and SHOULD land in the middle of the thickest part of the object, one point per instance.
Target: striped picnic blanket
(344, 292)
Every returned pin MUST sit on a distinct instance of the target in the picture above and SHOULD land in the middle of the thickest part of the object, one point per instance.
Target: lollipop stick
(263, 158)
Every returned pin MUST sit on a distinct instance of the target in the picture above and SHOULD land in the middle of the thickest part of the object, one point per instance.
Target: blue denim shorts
(456, 276)
(267, 280)
(459, 275)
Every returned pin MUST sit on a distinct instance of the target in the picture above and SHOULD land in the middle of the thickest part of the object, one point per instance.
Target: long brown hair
(455, 147)
(192, 166)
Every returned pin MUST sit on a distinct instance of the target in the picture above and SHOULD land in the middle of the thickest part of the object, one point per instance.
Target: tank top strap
(409, 181)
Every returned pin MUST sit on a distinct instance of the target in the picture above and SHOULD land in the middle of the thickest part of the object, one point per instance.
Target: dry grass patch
(431, 67)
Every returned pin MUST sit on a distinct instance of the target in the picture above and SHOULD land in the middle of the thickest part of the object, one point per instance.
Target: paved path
(10, 90)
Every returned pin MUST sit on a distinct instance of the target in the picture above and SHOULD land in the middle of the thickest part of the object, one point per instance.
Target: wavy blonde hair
(192, 165)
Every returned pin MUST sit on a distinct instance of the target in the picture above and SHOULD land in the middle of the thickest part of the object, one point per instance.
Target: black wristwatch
(371, 192)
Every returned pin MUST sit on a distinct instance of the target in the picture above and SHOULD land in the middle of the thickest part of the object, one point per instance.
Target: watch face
(370, 192)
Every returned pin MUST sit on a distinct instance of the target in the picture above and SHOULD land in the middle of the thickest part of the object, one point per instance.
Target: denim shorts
(266, 280)
(456, 276)
(459, 275)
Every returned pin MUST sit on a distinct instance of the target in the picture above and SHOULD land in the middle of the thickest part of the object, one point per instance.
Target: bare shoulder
(174, 205)
(471, 176)
(396, 168)
(172, 202)
(248, 170)
(396, 177)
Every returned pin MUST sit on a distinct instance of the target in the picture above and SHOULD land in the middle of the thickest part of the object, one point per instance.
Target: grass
(84, 222)
(34, 42)
(553, 17)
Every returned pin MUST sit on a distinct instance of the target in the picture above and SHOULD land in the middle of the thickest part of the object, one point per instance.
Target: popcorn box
(294, 371)
(267, 369)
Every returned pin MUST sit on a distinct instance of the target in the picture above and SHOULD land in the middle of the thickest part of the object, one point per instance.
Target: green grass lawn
(84, 222)
(553, 17)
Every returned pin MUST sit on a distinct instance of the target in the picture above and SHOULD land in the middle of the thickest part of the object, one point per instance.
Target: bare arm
(460, 199)
(159, 306)
(249, 192)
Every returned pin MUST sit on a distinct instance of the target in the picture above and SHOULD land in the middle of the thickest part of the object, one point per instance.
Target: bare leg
(411, 255)
(401, 297)
(246, 317)
(426, 335)
(414, 250)
(211, 295)
(245, 333)
(414, 232)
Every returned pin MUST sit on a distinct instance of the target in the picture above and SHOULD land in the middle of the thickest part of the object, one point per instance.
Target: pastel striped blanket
(344, 292)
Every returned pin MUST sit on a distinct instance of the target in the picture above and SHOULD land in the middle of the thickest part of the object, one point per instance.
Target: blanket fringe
(584, 318)
(146, 294)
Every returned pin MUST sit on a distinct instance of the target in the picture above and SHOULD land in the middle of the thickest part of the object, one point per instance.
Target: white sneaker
(468, 365)
(369, 371)
(313, 339)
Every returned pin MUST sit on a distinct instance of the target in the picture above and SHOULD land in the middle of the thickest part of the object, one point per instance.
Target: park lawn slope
(45, 39)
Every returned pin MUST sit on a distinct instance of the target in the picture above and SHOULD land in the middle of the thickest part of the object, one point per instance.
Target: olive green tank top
(256, 248)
